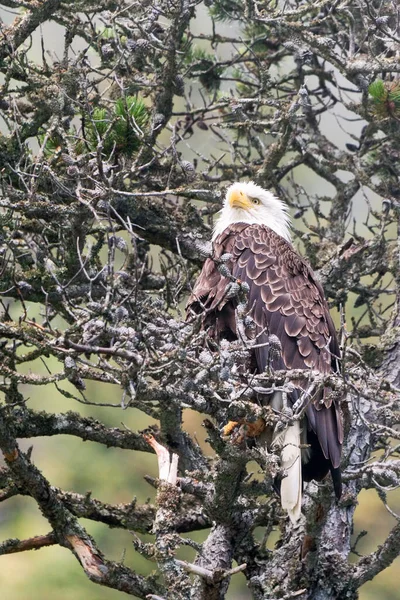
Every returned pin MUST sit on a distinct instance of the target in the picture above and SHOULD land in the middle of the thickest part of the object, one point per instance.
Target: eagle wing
(284, 300)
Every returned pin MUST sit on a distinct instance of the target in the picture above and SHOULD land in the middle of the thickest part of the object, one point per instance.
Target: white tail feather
(291, 461)
(289, 440)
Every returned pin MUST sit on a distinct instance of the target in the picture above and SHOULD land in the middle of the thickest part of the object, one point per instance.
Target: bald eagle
(284, 300)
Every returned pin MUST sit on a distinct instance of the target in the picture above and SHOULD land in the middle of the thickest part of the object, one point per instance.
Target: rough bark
(114, 160)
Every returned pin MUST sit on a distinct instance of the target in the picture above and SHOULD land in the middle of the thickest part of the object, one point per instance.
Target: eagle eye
(255, 201)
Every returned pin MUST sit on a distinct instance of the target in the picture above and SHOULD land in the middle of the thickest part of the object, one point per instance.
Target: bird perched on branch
(286, 303)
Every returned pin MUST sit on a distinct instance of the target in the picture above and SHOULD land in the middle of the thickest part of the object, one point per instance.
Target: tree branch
(40, 541)
(67, 531)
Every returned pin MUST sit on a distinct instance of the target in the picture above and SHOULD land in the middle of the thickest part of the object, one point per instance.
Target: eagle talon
(237, 431)
(255, 428)
(229, 428)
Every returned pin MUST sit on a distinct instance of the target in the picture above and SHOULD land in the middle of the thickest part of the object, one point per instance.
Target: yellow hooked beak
(238, 199)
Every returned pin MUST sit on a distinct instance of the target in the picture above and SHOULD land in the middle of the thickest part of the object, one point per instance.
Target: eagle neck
(281, 230)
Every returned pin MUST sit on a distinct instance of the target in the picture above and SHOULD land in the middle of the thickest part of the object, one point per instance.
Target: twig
(40, 541)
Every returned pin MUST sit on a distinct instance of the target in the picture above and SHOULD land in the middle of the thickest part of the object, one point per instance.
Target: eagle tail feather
(337, 481)
(291, 485)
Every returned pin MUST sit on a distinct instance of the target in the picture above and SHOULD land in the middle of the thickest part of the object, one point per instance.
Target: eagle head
(250, 203)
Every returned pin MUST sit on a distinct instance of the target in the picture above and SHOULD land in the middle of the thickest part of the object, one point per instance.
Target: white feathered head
(250, 203)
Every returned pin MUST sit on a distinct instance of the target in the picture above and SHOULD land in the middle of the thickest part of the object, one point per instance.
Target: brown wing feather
(285, 300)
(209, 293)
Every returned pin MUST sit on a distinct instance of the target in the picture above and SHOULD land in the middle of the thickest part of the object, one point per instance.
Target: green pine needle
(385, 97)
(377, 90)
(120, 128)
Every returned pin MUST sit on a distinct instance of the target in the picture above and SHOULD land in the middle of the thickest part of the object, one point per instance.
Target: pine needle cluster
(119, 129)
(385, 98)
